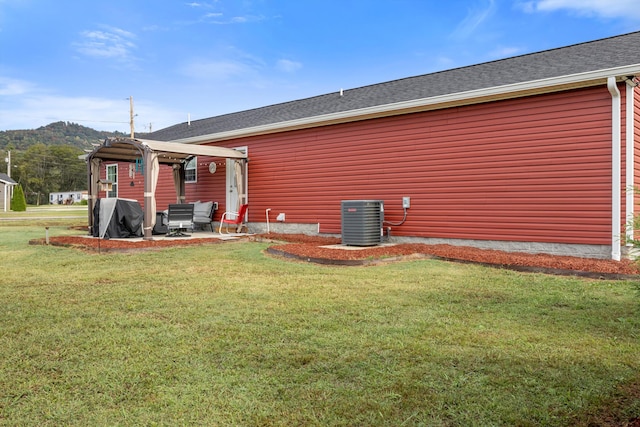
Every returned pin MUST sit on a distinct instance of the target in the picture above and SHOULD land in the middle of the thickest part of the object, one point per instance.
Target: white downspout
(615, 168)
(630, 159)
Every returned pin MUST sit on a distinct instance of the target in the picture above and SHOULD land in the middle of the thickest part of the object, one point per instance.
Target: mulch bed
(310, 249)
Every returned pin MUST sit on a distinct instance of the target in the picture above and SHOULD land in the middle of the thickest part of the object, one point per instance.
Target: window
(190, 170)
(112, 175)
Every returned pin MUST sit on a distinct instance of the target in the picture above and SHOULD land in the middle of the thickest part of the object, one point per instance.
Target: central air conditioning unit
(362, 222)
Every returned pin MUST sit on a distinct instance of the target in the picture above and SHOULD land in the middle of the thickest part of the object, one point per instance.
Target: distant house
(6, 191)
(66, 197)
(531, 153)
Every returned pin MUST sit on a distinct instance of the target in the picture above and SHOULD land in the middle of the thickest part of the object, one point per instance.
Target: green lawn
(50, 212)
(224, 335)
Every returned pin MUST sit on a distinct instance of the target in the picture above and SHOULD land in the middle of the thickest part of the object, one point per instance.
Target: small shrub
(18, 201)
(635, 226)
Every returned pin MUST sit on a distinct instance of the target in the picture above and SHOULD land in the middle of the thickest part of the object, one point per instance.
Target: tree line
(49, 159)
(42, 169)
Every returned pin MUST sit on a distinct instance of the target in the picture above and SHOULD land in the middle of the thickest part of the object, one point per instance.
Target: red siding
(530, 169)
(125, 188)
(207, 186)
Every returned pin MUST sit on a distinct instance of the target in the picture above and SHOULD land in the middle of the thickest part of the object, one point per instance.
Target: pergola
(153, 154)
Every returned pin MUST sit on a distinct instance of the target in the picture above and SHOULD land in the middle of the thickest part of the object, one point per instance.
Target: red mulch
(309, 247)
(120, 245)
(463, 253)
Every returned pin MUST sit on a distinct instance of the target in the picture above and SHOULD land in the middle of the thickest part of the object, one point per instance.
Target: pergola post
(178, 182)
(93, 172)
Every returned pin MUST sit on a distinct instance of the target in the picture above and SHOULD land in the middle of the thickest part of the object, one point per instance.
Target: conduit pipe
(616, 226)
(267, 214)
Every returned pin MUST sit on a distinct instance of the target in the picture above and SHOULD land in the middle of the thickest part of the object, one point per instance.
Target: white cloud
(442, 62)
(230, 64)
(34, 110)
(215, 70)
(13, 87)
(197, 4)
(218, 18)
(110, 43)
(602, 8)
(474, 18)
(25, 106)
(288, 66)
(505, 52)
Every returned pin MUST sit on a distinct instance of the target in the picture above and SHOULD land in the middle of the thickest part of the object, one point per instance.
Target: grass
(45, 215)
(223, 335)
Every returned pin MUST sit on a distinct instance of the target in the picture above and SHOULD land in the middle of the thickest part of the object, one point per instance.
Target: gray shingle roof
(596, 55)
(6, 179)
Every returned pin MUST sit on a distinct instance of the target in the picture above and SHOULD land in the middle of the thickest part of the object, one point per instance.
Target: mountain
(58, 133)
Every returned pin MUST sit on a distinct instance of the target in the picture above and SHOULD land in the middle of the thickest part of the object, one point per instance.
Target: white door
(233, 197)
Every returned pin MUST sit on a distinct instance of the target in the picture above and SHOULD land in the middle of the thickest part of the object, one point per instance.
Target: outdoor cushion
(202, 213)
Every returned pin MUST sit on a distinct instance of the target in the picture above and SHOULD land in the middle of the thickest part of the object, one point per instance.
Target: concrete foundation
(563, 249)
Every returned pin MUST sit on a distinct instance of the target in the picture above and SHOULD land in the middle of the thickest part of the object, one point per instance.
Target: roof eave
(554, 84)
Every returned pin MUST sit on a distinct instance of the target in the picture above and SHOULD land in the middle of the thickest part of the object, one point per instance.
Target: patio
(152, 154)
(195, 235)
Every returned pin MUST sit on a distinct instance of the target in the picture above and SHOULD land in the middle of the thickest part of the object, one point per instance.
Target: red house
(532, 153)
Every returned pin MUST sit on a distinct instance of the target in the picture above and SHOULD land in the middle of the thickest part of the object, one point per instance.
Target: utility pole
(8, 190)
(131, 116)
(8, 160)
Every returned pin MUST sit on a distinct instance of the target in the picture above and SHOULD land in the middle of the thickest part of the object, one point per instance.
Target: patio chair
(179, 217)
(234, 218)
(203, 214)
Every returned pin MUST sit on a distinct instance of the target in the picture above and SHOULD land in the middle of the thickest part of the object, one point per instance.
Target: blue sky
(81, 60)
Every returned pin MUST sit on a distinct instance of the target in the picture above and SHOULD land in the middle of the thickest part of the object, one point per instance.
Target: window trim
(113, 194)
(194, 168)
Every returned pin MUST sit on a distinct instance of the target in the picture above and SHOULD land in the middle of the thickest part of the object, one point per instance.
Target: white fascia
(554, 84)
